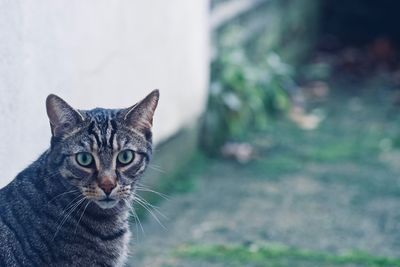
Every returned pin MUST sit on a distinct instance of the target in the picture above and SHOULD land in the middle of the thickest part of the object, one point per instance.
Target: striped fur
(56, 212)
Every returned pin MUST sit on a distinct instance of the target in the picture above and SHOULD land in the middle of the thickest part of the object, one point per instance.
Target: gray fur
(54, 213)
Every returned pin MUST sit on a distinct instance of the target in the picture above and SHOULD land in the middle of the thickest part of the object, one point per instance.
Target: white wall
(106, 53)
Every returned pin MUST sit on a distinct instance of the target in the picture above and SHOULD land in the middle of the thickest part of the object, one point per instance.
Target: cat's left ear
(62, 116)
(140, 116)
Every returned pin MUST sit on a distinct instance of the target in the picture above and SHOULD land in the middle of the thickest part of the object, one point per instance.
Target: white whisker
(155, 208)
(80, 218)
(139, 201)
(136, 218)
(71, 209)
(156, 168)
(68, 192)
(145, 189)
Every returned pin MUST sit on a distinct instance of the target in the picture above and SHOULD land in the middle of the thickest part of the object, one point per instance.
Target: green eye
(125, 157)
(84, 159)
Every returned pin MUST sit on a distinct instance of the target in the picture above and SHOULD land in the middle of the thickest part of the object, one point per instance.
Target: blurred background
(277, 135)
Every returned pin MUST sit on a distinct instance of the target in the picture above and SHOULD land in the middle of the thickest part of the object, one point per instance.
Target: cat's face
(102, 152)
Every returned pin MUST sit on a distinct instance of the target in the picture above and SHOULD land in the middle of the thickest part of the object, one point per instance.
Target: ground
(323, 197)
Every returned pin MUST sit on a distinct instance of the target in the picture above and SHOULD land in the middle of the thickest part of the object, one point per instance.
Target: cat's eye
(125, 157)
(84, 159)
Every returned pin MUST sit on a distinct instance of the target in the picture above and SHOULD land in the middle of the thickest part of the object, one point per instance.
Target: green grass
(347, 147)
(274, 255)
(334, 152)
(274, 166)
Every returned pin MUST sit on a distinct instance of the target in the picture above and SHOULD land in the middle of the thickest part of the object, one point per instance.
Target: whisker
(136, 217)
(69, 192)
(71, 203)
(76, 227)
(155, 208)
(136, 226)
(150, 211)
(72, 208)
(156, 168)
(145, 189)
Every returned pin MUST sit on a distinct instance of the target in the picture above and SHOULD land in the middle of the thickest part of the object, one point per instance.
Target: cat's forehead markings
(110, 133)
(115, 144)
(103, 126)
(102, 115)
(95, 147)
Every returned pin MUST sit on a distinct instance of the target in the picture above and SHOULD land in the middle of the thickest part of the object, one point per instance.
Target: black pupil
(125, 156)
(85, 159)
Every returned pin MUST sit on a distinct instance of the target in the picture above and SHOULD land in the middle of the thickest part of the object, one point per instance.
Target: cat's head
(102, 152)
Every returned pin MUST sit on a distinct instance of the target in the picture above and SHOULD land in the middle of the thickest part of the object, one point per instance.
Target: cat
(71, 206)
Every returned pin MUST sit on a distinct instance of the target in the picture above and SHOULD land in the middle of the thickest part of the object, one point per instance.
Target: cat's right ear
(61, 115)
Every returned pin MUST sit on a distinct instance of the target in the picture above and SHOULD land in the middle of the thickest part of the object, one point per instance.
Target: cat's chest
(95, 251)
(94, 241)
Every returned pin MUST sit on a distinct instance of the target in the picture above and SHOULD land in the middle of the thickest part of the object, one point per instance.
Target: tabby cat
(71, 206)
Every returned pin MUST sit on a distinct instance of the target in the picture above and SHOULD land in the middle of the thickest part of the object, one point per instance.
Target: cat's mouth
(107, 203)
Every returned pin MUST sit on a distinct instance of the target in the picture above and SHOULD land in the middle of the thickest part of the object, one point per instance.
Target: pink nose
(107, 186)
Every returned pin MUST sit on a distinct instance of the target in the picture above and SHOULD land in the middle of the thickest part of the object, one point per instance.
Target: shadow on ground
(327, 197)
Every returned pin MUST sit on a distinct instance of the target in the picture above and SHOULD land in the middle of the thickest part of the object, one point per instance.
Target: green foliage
(244, 96)
(277, 255)
(253, 71)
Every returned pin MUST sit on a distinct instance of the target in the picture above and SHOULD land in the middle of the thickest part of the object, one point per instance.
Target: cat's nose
(107, 186)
